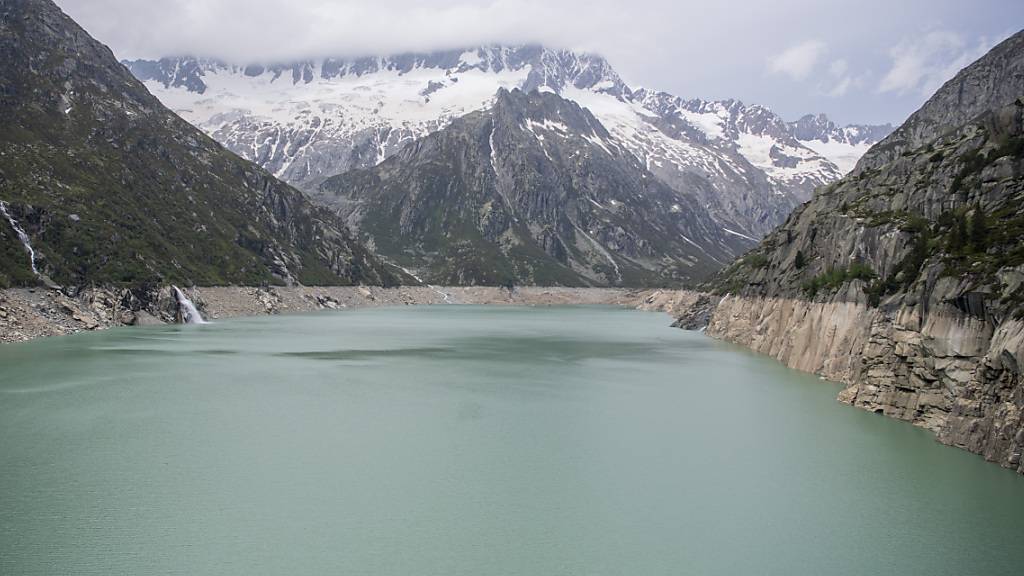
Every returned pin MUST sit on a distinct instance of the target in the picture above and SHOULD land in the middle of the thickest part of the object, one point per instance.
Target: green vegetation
(957, 235)
(1009, 146)
(979, 243)
(974, 161)
(971, 242)
(836, 277)
(756, 260)
(979, 229)
(800, 260)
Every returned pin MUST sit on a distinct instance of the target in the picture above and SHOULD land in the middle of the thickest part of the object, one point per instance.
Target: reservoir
(469, 440)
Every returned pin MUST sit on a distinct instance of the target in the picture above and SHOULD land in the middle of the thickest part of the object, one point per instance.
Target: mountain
(533, 190)
(307, 121)
(100, 183)
(842, 145)
(905, 279)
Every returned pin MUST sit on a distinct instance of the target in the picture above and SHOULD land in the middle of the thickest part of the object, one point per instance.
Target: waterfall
(21, 236)
(188, 310)
(447, 297)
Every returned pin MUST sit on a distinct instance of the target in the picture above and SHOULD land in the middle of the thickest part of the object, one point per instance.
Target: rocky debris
(697, 316)
(268, 298)
(32, 313)
(672, 302)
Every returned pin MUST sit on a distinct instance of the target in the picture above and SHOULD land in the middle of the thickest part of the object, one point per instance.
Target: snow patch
(734, 233)
(843, 155)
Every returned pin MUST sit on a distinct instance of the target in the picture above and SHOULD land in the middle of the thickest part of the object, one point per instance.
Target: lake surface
(456, 440)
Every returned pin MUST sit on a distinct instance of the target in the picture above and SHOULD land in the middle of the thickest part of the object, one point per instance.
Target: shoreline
(30, 313)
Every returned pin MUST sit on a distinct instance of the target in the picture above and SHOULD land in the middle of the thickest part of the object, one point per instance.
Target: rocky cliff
(905, 280)
(100, 183)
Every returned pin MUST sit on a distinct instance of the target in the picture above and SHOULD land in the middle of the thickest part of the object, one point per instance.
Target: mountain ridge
(307, 121)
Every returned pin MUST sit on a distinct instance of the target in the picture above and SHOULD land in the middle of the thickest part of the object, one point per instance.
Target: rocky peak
(814, 127)
(552, 68)
(184, 72)
(521, 109)
(994, 80)
(818, 127)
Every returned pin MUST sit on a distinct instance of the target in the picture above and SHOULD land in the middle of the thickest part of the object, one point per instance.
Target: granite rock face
(904, 280)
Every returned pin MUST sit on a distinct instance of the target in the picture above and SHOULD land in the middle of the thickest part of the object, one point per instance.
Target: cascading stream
(444, 295)
(189, 313)
(22, 235)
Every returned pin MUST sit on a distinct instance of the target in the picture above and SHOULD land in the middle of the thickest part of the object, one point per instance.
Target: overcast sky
(857, 60)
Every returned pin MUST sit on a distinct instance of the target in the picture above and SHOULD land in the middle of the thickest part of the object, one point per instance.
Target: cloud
(840, 79)
(691, 48)
(280, 30)
(841, 87)
(797, 61)
(922, 64)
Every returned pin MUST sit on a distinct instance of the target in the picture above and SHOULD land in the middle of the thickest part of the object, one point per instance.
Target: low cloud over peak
(688, 47)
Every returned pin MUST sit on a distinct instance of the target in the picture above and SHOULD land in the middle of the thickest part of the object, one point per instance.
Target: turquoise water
(469, 440)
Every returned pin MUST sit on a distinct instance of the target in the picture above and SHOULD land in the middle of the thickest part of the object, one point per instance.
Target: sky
(859, 61)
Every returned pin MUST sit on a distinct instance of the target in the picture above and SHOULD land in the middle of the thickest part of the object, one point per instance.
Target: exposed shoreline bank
(29, 313)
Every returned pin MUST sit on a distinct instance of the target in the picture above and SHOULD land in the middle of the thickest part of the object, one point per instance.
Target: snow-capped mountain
(307, 121)
(842, 145)
(533, 190)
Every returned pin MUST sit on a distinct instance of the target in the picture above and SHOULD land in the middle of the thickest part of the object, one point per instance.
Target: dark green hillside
(114, 188)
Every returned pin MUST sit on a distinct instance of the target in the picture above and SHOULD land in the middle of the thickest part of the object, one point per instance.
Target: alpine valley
(511, 166)
(394, 313)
